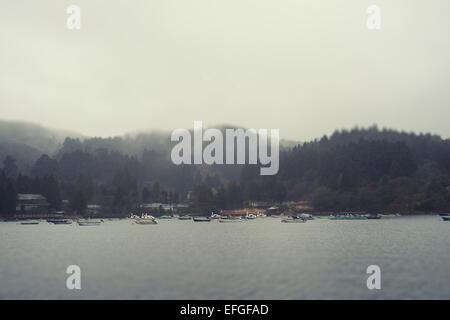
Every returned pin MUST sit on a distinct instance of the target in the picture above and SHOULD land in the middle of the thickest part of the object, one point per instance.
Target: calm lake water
(259, 259)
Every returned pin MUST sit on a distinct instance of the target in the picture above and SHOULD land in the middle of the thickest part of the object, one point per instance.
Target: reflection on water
(259, 259)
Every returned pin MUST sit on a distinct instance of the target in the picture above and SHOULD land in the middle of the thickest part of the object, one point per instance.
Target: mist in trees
(361, 169)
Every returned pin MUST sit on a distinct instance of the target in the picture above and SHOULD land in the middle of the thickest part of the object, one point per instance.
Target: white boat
(215, 216)
(145, 219)
(133, 216)
(230, 219)
(307, 216)
(250, 216)
(261, 215)
(88, 222)
(201, 219)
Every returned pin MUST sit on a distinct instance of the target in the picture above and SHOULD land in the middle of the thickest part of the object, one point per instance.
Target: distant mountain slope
(24, 155)
(33, 135)
(358, 169)
(26, 142)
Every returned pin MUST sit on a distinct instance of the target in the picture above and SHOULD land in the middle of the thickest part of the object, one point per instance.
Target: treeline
(207, 197)
(12, 182)
(357, 170)
(370, 170)
(79, 184)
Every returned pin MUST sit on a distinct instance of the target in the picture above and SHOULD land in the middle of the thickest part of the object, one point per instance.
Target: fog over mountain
(355, 169)
(26, 141)
(33, 135)
(306, 67)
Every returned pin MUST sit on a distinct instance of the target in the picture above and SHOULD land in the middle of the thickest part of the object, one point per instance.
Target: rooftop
(30, 196)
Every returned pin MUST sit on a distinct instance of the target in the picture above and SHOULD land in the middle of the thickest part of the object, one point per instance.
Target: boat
(373, 216)
(145, 219)
(307, 216)
(31, 222)
(230, 219)
(88, 222)
(293, 219)
(355, 218)
(59, 221)
(447, 218)
(186, 217)
(215, 216)
(347, 217)
(261, 215)
(165, 217)
(250, 216)
(201, 219)
(444, 214)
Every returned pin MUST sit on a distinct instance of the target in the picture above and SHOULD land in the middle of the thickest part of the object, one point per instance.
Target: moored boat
(228, 219)
(307, 216)
(335, 218)
(145, 220)
(347, 217)
(355, 218)
(88, 222)
(31, 222)
(201, 219)
(447, 218)
(59, 221)
(260, 215)
(293, 219)
(185, 217)
(165, 217)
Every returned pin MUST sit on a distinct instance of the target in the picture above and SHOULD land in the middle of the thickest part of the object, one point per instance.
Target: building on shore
(259, 204)
(34, 206)
(27, 202)
(93, 209)
(164, 207)
(273, 210)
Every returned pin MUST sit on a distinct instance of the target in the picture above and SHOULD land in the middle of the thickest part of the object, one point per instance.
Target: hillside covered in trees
(355, 170)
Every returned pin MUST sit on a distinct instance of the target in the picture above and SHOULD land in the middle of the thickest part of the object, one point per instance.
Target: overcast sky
(306, 67)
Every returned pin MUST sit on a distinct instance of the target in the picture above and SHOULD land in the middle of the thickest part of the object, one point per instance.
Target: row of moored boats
(80, 222)
(146, 219)
(149, 219)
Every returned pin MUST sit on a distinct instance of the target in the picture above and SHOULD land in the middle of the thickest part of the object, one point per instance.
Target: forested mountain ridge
(359, 169)
(33, 135)
(371, 169)
(26, 142)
